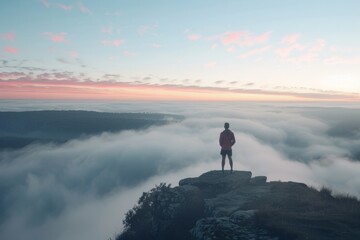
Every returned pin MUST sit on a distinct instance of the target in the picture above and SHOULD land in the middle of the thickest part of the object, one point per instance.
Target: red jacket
(227, 139)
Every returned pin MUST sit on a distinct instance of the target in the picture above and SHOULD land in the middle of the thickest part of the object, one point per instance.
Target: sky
(180, 50)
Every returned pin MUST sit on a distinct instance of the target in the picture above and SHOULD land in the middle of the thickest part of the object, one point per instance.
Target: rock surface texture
(236, 205)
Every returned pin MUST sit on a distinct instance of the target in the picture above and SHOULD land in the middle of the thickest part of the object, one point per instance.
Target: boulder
(258, 180)
(215, 182)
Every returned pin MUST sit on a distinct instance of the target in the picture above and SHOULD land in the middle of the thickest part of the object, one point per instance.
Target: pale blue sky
(308, 45)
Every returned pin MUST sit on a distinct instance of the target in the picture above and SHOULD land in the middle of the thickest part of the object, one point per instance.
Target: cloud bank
(81, 189)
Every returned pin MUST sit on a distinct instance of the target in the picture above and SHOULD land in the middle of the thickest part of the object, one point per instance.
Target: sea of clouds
(83, 188)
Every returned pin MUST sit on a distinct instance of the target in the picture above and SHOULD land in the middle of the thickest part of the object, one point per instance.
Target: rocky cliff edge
(236, 205)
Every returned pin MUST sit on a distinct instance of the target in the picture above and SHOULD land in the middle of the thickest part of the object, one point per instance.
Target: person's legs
(223, 162)
(231, 162)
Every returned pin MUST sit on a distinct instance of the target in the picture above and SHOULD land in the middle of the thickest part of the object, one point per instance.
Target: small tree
(163, 213)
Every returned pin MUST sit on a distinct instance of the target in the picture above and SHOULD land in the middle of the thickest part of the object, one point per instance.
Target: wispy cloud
(46, 3)
(293, 51)
(57, 37)
(10, 36)
(74, 54)
(61, 6)
(68, 85)
(193, 37)
(114, 42)
(318, 46)
(290, 39)
(290, 44)
(244, 38)
(311, 53)
(256, 51)
(12, 75)
(83, 8)
(219, 82)
(63, 60)
(11, 50)
(65, 7)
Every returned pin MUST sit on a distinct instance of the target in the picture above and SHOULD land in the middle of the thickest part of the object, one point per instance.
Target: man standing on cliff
(226, 140)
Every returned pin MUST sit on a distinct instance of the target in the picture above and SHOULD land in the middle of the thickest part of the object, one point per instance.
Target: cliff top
(236, 205)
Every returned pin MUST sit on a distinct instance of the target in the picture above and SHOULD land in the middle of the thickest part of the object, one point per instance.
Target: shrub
(139, 222)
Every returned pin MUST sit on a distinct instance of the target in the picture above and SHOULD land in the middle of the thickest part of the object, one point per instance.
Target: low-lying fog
(81, 189)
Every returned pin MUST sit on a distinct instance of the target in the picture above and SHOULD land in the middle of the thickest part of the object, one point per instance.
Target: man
(226, 140)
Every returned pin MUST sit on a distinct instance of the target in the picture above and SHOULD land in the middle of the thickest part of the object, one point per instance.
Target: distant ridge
(18, 129)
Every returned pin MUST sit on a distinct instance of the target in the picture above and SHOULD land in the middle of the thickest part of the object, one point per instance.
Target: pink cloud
(74, 54)
(193, 37)
(232, 37)
(291, 45)
(286, 51)
(11, 50)
(46, 3)
(312, 53)
(68, 86)
(65, 7)
(262, 38)
(318, 46)
(303, 53)
(115, 42)
(290, 39)
(83, 8)
(59, 38)
(62, 6)
(10, 36)
(256, 51)
(244, 38)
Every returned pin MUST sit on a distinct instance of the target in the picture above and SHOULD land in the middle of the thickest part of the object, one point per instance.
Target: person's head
(226, 125)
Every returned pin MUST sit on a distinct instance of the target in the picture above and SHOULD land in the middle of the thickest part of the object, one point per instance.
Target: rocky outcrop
(236, 205)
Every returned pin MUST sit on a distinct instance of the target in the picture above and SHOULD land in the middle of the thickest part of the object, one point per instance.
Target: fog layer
(81, 189)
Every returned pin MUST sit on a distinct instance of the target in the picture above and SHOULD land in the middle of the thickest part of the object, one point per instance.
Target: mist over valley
(110, 156)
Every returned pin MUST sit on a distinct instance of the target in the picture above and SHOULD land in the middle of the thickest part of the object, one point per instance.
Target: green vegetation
(161, 214)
